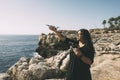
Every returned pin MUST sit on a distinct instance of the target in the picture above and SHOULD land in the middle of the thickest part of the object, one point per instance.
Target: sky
(31, 16)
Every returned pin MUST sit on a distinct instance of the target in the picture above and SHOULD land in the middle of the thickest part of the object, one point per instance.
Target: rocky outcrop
(106, 67)
(107, 43)
(55, 58)
(49, 45)
(38, 68)
(4, 76)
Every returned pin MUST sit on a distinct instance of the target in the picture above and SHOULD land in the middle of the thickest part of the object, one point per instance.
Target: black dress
(77, 69)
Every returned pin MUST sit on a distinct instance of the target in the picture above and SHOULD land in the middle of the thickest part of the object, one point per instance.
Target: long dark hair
(87, 39)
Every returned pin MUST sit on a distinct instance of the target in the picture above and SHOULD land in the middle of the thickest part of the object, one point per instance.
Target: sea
(13, 47)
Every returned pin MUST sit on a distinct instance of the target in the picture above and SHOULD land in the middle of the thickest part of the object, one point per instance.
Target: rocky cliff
(54, 57)
(49, 45)
(104, 42)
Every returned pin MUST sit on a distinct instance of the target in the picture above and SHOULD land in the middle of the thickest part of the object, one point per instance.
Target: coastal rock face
(52, 66)
(106, 67)
(49, 45)
(107, 43)
(38, 68)
(4, 76)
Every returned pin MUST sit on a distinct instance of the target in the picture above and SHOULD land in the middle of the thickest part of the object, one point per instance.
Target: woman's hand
(53, 28)
(82, 57)
(77, 52)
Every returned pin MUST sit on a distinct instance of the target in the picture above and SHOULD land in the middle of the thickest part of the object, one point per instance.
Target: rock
(53, 57)
(49, 45)
(106, 68)
(4, 76)
(108, 43)
(38, 68)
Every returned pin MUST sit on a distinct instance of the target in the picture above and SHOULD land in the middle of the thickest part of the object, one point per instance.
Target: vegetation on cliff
(113, 23)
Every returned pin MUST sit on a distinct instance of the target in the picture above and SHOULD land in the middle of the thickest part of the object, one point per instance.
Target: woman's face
(79, 36)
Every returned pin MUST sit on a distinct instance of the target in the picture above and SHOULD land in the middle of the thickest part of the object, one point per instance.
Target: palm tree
(111, 22)
(104, 22)
(111, 25)
(116, 22)
(118, 19)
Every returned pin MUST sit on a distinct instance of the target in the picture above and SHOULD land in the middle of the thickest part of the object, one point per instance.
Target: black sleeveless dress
(77, 69)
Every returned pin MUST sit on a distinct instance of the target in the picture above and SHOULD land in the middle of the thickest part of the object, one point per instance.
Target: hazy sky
(31, 16)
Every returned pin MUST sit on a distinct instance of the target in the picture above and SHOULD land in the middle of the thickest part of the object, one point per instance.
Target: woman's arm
(82, 57)
(61, 37)
(86, 60)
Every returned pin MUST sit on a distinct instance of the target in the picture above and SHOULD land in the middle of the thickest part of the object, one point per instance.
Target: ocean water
(13, 47)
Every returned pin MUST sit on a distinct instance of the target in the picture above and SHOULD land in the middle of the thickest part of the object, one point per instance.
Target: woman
(82, 56)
